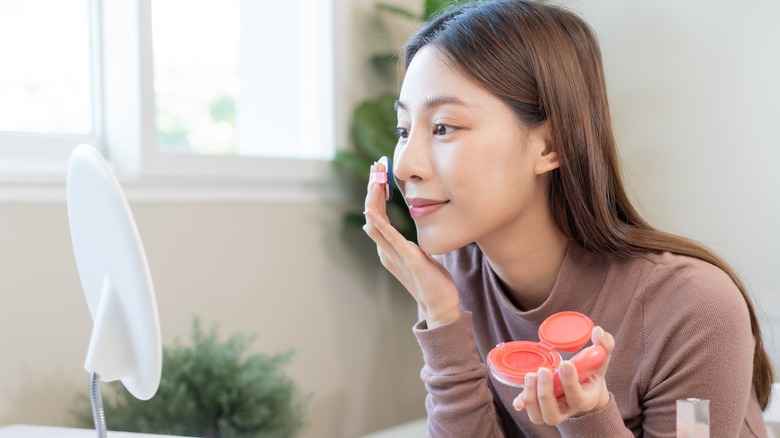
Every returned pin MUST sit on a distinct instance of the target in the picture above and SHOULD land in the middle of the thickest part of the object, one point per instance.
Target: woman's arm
(698, 344)
(459, 401)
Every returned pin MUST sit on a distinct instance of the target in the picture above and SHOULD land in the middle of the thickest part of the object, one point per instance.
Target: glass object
(693, 418)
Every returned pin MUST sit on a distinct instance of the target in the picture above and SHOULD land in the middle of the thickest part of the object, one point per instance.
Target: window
(47, 82)
(46, 89)
(227, 82)
(225, 89)
(196, 47)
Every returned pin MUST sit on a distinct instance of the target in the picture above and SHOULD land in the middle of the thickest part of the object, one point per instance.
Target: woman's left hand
(538, 398)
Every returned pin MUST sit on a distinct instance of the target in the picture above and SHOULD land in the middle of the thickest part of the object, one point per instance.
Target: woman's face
(469, 171)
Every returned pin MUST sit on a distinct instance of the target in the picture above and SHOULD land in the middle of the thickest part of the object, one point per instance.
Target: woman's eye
(442, 129)
(401, 132)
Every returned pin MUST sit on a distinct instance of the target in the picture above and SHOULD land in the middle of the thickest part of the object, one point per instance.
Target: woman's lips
(419, 208)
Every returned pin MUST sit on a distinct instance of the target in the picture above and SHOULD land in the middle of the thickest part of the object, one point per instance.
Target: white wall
(694, 95)
(694, 98)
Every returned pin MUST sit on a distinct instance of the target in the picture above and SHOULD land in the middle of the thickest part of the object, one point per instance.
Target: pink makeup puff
(385, 177)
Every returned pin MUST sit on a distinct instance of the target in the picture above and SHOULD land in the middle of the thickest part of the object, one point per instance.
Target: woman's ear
(542, 149)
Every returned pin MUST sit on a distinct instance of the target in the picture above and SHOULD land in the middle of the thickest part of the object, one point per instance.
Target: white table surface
(27, 431)
(413, 429)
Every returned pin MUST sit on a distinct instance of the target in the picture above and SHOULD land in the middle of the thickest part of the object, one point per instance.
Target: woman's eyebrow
(432, 102)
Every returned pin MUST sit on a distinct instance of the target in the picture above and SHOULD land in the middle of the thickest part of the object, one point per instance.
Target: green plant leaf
(405, 13)
(372, 125)
(356, 163)
(354, 220)
(386, 63)
(434, 6)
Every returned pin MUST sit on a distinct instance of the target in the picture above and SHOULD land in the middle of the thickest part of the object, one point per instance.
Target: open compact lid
(566, 331)
(125, 343)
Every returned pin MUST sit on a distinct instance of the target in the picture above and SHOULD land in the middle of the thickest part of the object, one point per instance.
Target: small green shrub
(209, 389)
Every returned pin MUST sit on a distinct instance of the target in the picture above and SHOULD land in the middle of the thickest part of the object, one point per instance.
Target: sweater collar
(579, 281)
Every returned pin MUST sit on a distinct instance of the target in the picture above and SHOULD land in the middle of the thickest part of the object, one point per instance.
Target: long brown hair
(545, 63)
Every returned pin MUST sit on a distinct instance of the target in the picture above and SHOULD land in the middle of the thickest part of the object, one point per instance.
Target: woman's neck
(527, 260)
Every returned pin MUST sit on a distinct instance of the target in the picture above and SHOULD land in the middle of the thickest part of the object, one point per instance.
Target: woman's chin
(435, 243)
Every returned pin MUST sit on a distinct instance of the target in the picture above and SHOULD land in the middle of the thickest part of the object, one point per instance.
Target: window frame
(25, 156)
(125, 130)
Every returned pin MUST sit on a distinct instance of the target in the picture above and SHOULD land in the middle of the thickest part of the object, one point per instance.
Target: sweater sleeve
(605, 423)
(459, 402)
(697, 334)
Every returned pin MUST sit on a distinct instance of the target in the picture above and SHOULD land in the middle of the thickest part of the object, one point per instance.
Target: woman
(507, 161)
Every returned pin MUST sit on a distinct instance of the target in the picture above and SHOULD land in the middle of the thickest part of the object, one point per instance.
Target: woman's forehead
(431, 82)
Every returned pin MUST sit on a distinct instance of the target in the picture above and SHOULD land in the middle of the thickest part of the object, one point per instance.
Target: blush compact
(509, 362)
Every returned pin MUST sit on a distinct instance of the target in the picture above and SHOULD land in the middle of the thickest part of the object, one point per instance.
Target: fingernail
(565, 368)
(530, 380)
(543, 375)
(519, 403)
(600, 333)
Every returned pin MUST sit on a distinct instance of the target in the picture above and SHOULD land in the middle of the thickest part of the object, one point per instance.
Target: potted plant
(209, 389)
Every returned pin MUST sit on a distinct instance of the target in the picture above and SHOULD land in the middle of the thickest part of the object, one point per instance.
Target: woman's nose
(411, 160)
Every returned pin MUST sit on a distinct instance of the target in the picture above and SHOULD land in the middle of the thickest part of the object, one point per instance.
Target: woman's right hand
(428, 282)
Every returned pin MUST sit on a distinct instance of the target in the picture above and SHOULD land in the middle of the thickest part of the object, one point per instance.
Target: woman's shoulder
(688, 286)
(686, 272)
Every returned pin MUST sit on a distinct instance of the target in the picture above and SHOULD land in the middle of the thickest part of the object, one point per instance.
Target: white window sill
(51, 188)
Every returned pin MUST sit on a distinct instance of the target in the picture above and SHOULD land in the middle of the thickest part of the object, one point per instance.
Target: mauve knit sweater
(681, 330)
